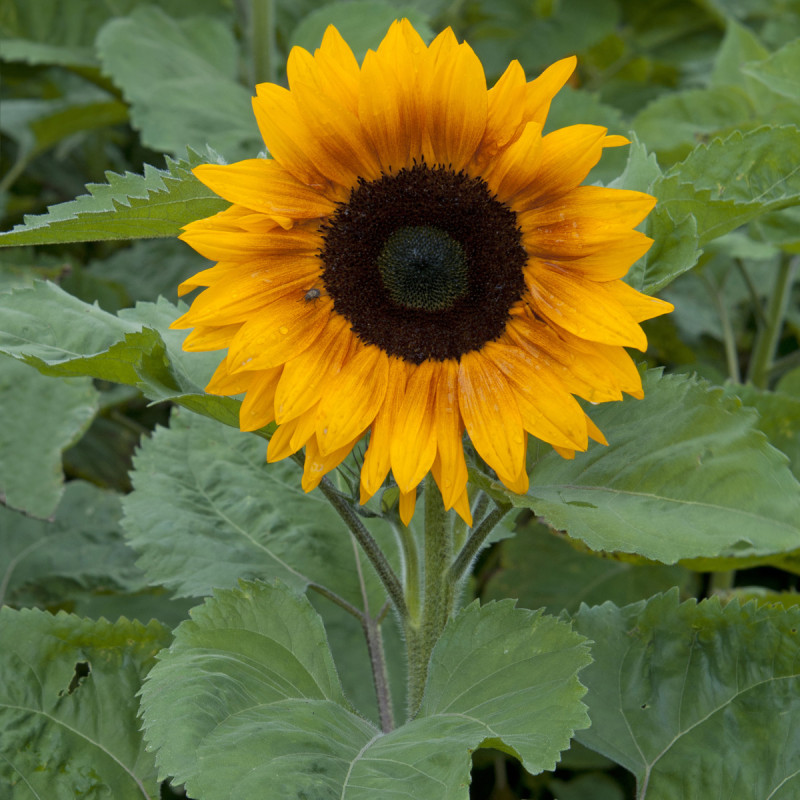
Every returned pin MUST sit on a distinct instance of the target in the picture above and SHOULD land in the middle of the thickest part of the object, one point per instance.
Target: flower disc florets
(416, 261)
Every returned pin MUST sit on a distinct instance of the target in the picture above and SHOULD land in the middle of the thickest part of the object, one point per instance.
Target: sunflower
(416, 260)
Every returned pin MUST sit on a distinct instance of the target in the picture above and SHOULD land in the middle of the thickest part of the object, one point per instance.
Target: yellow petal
(208, 337)
(224, 383)
(453, 87)
(583, 308)
(449, 431)
(258, 407)
(574, 238)
(513, 170)
(317, 464)
(282, 331)
(625, 208)
(265, 186)
(377, 459)
(408, 500)
(542, 90)
(547, 410)
(567, 156)
(306, 376)
(413, 445)
(352, 403)
(639, 306)
(280, 443)
(461, 501)
(491, 415)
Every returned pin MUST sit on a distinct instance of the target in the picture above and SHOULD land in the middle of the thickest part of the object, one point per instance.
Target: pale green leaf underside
(706, 484)
(63, 744)
(156, 204)
(48, 416)
(247, 702)
(697, 700)
(83, 543)
(63, 336)
(207, 509)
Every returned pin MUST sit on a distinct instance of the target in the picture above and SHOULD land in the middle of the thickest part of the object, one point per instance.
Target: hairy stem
(411, 576)
(371, 549)
(476, 540)
(438, 595)
(377, 658)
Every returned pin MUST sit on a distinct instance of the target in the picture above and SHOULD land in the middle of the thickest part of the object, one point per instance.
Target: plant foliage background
(128, 495)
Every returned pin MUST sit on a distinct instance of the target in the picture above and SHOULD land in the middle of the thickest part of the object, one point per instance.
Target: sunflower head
(417, 261)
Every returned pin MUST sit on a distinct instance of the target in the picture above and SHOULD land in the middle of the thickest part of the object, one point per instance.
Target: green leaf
(259, 708)
(674, 123)
(180, 79)
(68, 706)
(62, 32)
(61, 335)
(739, 46)
(696, 700)
(362, 23)
(48, 417)
(207, 510)
(82, 543)
(780, 72)
(156, 204)
(542, 569)
(686, 475)
(779, 418)
(732, 181)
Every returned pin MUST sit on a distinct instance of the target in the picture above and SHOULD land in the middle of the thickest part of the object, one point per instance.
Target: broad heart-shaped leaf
(542, 569)
(247, 703)
(686, 475)
(180, 79)
(48, 416)
(68, 706)
(61, 335)
(732, 181)
(156, 204)
(63, 31)
(207, 510)
(83, 544)
(697, 700)
(780, 72)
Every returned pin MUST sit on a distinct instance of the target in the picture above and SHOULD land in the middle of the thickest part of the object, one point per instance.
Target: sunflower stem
(439, 595)
(370, 547)
(377, 658)
(262, 32)
(476, 540)
(411, 576)
(768, 337)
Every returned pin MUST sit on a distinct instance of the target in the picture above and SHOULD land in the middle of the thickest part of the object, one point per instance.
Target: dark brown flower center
(425, 263)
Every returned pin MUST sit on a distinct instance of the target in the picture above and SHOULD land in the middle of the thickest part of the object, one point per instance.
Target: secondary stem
(377, 659)
(262, 27)
(411, 576)
(476, 540)
(767, 341)
(371, 549)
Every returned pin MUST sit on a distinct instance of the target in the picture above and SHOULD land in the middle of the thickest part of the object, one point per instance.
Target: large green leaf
(156, 204)
(207, 510)
(542, 569)
(732, 181)
(68, 706)
(63, 31)
(780, 72)
(687, 474)
(180, 79)
(247, 702)
(49, 415)
(696, 700)
(61, 335)
(83, 543)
